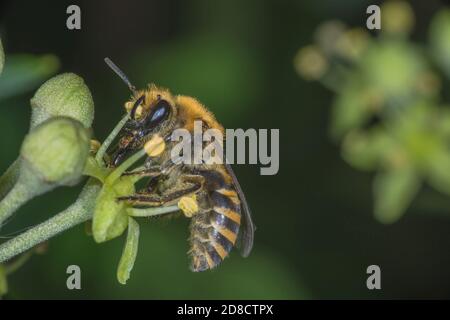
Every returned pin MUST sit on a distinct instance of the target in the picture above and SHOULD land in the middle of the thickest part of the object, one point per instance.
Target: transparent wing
(247, 226)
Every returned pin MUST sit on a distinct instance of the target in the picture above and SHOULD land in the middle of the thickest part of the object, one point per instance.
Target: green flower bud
(2, 57)
(56, 151)
(310, 63)
(53, 154)
(63, 95)
(397, 17)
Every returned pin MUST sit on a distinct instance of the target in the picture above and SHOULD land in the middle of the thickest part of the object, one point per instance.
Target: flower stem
(117, 173)
(93, 169)
(9, 178)
(77, 213)
(150, 212)
(104, 147)
(146, 150)
(16, 197)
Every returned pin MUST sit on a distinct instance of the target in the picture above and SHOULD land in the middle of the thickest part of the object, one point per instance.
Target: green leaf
(393, 193)
(110, 217)
(3, 281)
(129, 252)
(24, 72)
(439, 35)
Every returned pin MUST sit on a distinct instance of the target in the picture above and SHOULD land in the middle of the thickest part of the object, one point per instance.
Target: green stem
(104, 147)
(77, 213)
(19, 194)
(117, 173)
(9, 178)
(150, 212)
(92, 169)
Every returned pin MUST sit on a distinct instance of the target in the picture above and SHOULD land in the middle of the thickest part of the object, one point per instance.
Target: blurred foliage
(439, 35)
(23, 72)
(387, 112)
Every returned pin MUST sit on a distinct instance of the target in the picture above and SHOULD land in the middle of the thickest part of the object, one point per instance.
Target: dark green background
(316, 233)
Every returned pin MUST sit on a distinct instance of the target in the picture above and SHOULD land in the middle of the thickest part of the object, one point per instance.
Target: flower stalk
(9, 179)
(101, 152)
(78, 212)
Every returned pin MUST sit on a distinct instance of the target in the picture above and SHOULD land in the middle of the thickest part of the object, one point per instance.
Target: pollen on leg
(139, 110)
(155, 146)
(188, 205)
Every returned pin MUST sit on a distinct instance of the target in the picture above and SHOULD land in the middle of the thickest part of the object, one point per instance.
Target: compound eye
(160, 112)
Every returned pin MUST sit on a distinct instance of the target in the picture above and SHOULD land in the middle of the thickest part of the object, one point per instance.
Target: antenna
(120, 73)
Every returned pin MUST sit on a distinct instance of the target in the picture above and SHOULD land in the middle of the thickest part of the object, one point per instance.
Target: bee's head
(151, 111)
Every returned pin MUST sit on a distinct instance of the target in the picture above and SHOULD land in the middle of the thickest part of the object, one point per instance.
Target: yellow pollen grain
(139, 111)
(188, 205)
(129, 106)
(155, 146)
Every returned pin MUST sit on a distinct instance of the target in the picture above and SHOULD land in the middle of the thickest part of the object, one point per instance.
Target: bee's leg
(151, 185)
(144, 172)
(169, 166)
(152, 200)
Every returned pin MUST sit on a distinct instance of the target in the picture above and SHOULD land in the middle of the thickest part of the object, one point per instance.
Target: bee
(223, 219)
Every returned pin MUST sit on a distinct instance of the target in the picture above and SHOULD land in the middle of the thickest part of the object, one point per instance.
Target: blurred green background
(316, 230)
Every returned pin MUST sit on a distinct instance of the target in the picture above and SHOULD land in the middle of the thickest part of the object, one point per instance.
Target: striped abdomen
(214, 231)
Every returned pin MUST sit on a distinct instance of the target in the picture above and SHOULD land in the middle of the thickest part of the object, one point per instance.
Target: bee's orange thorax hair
(191, 110)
